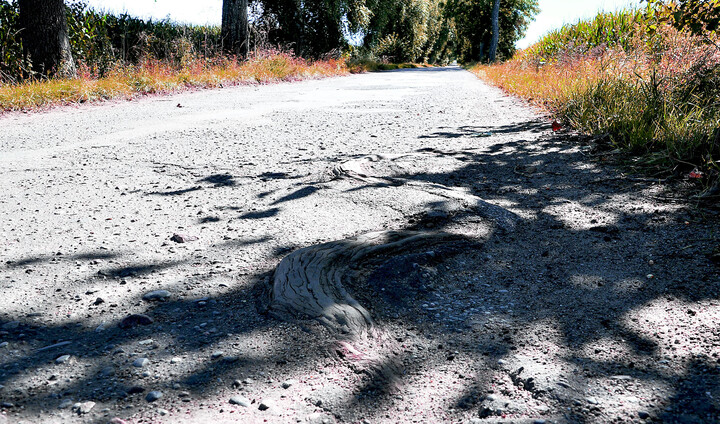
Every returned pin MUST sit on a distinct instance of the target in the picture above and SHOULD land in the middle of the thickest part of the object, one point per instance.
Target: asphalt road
(580, 294)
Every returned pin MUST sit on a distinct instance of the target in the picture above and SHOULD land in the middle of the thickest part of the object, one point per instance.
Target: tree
(495, 30)
(700, 17)
(472, 20)
(45, 37)
(235, 27)
(406, 30)
(312, 28)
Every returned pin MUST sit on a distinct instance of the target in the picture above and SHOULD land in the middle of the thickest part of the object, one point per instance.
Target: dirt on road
(139, 243)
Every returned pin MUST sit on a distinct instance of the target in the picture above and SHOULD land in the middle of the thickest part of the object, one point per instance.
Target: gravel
(543, 302)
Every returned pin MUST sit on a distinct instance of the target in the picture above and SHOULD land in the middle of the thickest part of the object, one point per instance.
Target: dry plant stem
(310, 281)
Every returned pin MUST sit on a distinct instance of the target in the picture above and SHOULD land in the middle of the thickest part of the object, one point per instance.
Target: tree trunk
(45, 37)
(495, 30)
(298, 29)
(234, 30)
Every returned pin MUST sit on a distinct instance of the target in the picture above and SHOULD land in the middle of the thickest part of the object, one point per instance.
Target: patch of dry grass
(656, 94)
(154, 76)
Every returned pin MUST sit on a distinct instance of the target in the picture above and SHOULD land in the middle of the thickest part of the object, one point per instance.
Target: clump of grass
(156, 76)
(654, 90)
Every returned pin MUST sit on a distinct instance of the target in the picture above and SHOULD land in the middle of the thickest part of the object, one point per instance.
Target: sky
(553, 13)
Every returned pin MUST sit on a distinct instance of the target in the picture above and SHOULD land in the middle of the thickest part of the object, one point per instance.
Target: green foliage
(311, 28)
(99, 40)
(607, 30)
(408, 30)
(12, 64)
(701, 17)
(473, 25)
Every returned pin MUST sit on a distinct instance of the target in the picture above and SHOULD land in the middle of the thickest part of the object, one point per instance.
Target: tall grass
(157, 76)
(654, 90)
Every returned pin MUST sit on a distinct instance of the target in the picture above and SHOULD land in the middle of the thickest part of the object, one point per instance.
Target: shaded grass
(154, 76)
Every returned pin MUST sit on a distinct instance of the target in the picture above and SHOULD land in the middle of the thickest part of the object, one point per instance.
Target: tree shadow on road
(568, 295)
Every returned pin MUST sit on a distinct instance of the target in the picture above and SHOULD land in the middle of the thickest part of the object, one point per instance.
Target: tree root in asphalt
(311, 282)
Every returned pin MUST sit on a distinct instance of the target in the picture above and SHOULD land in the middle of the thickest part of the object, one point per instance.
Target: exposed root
(311, 281)
(361, 169)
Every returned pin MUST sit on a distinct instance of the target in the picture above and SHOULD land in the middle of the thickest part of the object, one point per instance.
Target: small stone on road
(153, 396)
(240, 400)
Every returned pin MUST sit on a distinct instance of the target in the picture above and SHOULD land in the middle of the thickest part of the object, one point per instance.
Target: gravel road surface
(138, 242)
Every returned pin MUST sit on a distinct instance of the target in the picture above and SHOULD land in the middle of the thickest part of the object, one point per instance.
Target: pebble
(7, 405)
(539, 421)
(217, 354)
(182, 238)
(266, 404)
(84, 407)
(248, 381)
(65, 404)
(153, 396)
(644, 415)
(62, 359)
(176, 360)
(135, 389)
(592, 401)
(240, 400)
(288, 383)
(117, 420)
(134, 320)
(141, 362)
(4, 344)
(163, 412)
(156, 295)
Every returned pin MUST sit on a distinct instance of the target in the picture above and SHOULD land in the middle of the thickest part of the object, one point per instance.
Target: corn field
(102, 41)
